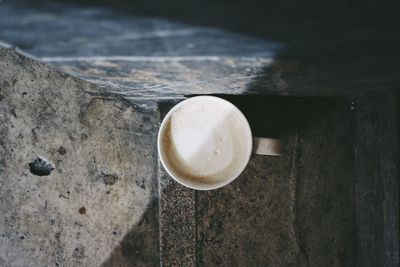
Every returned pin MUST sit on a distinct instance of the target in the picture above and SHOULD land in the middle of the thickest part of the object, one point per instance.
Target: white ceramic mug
(205, 142)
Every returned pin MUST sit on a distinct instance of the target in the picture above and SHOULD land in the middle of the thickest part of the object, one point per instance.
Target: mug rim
(182, 181)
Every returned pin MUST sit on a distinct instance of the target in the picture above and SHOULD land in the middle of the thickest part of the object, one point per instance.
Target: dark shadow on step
(349, 69)
(278, 20)
(140, 246)
(282, 116)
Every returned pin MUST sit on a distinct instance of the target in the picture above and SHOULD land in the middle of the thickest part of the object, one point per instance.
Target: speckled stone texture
(377, 179)
(177, 215)
(238, 226)
(97, 205)
(177, 223)
(294, 210)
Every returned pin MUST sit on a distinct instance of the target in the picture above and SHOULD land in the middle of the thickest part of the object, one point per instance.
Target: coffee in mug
(205, 142)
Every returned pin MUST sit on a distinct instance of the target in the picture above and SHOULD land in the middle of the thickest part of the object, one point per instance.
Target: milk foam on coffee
(206, 141)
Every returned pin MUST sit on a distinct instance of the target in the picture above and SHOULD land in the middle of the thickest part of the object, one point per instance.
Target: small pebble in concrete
(82, 210)
(62, 150)
(141, 184)
(63, 196)
(41, 167)
(108, 178)
(79, 252)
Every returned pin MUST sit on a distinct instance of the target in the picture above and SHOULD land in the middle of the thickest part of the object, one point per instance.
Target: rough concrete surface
(237, 226)
(103, 184)
(294, 210)
(377, 179)
(177, 215)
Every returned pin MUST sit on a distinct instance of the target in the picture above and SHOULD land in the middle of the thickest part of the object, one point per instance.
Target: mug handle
(268, 146)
